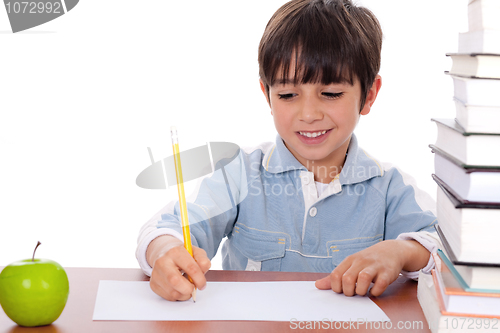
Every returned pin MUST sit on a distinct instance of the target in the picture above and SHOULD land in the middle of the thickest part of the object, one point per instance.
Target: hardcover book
(440, 323)
(475, 65)
(481, 279)
(477, 118)
(476, 91)
(470, 229)
(456, 260)
(468, 184)
(474, 149)
(454, 301)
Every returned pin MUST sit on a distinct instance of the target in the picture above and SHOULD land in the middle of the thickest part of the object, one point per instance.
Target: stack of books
(465, 286)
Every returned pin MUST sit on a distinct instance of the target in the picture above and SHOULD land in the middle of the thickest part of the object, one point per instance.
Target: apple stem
(37, 245)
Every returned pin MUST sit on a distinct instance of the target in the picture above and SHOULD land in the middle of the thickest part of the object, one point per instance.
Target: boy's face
(316, 121)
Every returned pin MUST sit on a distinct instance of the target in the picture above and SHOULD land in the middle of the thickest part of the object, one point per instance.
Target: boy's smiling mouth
(313, 137)
(313, 134)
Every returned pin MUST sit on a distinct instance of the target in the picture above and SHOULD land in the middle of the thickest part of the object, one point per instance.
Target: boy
(314, 201)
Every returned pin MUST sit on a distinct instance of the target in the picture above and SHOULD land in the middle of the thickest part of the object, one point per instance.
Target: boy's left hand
(380, 263)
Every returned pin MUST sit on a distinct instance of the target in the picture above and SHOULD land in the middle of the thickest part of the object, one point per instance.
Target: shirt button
(305, 179)
(313, 211)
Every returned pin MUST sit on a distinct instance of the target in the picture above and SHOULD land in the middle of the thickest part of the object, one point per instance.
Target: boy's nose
(311, 111)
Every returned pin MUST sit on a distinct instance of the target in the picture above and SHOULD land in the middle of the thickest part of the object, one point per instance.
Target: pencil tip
(194, 295)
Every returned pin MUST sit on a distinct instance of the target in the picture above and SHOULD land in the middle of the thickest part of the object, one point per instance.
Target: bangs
(299, 67)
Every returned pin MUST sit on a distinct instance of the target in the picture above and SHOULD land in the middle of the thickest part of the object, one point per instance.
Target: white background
(83, 96)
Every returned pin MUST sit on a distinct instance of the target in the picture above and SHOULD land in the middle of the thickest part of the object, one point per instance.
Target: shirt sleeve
(428, 240)
(148, 233)
(411, 215)
(212, 212)
(408, 208)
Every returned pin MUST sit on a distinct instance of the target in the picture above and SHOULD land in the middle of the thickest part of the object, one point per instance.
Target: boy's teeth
(312, 135)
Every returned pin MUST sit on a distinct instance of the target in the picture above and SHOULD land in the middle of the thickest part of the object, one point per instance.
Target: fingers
(337, 276)
(323, 283)
(167, 280)
(380, 263)
(352, 278)
(348, 281)
(365, 278)
(201, 258)
(382, 281)
(335, 281)
(191, 266)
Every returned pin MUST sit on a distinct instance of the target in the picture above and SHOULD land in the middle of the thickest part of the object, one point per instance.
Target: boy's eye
(332, 95)
(286, 96)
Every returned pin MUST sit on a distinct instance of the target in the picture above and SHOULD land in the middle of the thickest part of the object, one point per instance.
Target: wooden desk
(399, 302)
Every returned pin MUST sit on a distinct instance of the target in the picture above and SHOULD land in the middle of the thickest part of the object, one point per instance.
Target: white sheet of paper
(274, 301)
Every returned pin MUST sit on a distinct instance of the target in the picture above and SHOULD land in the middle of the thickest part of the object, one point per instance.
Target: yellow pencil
(182, 199)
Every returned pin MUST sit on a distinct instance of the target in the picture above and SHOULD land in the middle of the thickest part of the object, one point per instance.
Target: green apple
(33, 292)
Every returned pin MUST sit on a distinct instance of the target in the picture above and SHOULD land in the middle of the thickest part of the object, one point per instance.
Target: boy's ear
(263, 88)
(372, 95)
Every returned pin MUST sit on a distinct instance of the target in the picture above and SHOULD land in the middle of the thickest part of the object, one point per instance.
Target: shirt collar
(358, 167)
(280, 159)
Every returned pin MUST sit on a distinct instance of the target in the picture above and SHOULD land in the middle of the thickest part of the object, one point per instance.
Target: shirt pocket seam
(257, 244)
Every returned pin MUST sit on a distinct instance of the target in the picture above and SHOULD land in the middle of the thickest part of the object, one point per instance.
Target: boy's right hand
(168, 257)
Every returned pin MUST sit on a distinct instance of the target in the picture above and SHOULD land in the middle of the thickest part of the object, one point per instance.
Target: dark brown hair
(329, 41)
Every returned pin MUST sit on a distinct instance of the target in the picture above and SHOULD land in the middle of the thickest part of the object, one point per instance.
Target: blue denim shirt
(267, 206)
